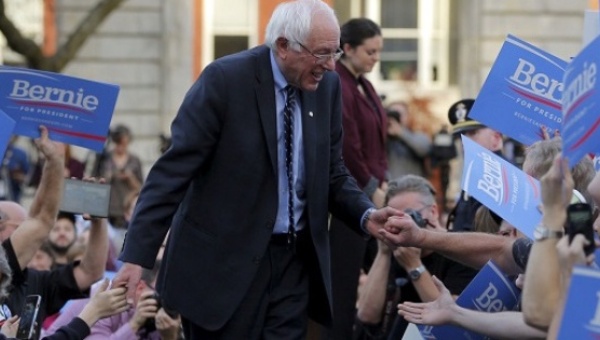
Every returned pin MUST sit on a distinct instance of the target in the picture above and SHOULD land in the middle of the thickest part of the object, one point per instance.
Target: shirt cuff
(365, 219)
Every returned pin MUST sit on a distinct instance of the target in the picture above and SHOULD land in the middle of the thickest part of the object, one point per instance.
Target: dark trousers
(275, 306)
(347, 258)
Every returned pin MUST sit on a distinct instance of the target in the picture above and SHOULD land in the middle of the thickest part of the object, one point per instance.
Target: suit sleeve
(195, 132)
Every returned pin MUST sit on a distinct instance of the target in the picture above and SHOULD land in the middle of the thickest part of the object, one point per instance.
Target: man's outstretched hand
(128, 276)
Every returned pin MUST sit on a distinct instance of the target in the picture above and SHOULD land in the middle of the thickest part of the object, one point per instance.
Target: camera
(580, 220)
(150, 324)
(417, 217)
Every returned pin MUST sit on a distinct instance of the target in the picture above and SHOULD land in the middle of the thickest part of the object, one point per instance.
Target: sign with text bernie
(580, 132)
(582, 320)
(501, 186)
(75, 111)
(7, 125)
(522, 92)
(490, 291)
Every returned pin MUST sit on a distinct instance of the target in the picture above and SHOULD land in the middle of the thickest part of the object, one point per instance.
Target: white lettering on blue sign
(488, 300)
(580, 85)
(538, 83)
(22, 89)
(491, 180)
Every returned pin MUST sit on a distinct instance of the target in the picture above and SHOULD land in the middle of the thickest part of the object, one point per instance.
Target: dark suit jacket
(365, 130)
(217, 187)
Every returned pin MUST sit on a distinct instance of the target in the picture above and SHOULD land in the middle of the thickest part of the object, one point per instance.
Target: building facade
(154, 49)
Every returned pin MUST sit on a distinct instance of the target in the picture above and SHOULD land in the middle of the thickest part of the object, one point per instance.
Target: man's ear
(282, 43)
(282, 47)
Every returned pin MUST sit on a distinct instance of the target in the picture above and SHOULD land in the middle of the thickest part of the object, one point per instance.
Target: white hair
(292, 20)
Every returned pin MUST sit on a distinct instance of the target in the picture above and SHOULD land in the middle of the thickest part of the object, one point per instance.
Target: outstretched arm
(470, 248)
(92, 265)
(30, 235)
(444, 310)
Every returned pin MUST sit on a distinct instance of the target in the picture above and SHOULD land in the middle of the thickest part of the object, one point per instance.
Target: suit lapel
(309, 135)
(265, 96)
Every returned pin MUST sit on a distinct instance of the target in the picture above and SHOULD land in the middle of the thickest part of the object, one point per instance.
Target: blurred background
(435, 51)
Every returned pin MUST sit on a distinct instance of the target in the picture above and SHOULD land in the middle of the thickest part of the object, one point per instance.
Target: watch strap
(542, 233)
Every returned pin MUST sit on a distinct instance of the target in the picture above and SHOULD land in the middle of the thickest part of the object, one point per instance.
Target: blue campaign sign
(490, 291)
(7, 126)
(582, 320)
(501, 186)
(75, 111)
(580, 131)
(522, 92)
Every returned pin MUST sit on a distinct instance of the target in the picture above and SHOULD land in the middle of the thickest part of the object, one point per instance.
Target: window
(228, 31)
(416, 40)
(229, 44)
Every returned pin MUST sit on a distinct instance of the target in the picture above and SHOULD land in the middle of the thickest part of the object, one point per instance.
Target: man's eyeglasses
(323, 58)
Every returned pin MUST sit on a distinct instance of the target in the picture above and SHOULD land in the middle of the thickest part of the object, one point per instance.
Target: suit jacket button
(256, 259)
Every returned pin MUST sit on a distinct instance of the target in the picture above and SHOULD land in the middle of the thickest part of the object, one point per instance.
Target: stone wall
(144, 47)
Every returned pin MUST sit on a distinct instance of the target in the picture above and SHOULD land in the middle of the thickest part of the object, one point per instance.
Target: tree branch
(86, 27)
(17, 42)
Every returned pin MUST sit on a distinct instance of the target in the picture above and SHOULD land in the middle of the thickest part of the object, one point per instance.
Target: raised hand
(103, 303)
(557, 186)
(50, 149)
(408, 257)
(146, 308)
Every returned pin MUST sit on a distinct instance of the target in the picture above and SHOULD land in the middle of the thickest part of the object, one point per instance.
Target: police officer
(461, 217)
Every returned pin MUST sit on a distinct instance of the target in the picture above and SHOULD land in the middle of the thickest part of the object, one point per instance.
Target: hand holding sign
(51, 150)
(75, 111)
(557, 187)
(522, 92)
(580, 105)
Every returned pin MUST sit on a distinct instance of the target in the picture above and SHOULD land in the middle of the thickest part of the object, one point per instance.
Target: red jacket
(365, 131)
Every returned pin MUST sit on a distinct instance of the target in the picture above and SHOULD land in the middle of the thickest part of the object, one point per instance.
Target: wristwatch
(541, 233)
(415, 274)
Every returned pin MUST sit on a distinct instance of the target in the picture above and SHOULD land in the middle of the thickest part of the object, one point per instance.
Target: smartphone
(29, 314)
(80, 197)
(580, 220)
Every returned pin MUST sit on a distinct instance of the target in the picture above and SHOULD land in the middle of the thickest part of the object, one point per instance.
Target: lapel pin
(310, 113)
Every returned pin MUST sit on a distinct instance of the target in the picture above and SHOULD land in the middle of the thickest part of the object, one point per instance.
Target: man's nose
(329, 64)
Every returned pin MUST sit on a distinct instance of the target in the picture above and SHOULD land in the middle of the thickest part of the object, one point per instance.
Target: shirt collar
(280, 82)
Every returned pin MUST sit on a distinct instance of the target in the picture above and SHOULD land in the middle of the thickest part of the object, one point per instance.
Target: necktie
(288, 123)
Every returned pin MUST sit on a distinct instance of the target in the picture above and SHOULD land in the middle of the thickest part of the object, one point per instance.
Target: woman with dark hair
(364, 151)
